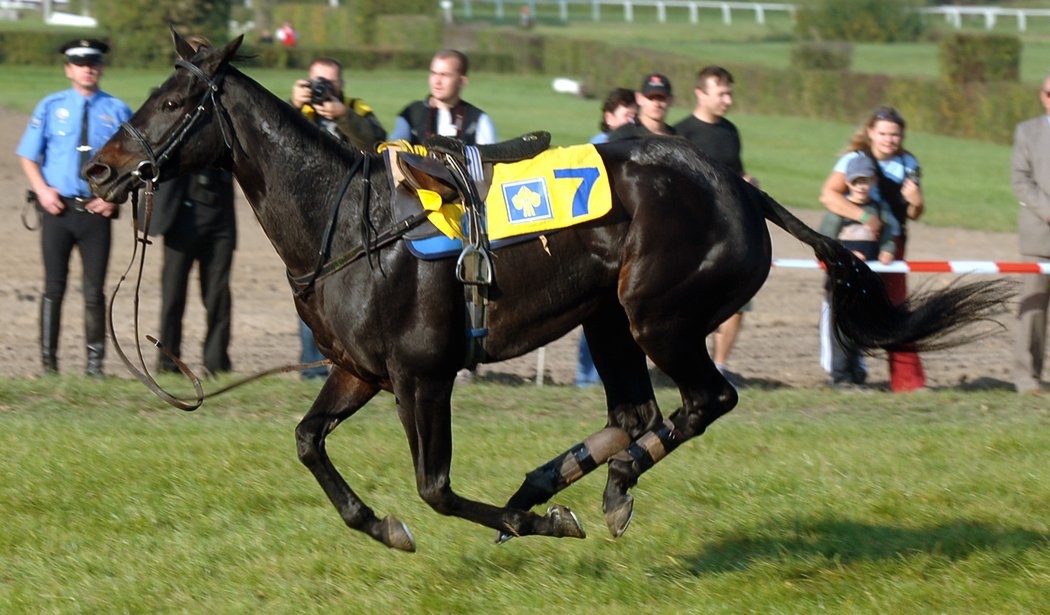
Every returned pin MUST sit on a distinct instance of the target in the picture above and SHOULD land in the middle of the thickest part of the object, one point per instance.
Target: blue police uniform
(54, 133)
(57, 141)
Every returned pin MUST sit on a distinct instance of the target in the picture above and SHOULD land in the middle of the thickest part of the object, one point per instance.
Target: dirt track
(778, 346)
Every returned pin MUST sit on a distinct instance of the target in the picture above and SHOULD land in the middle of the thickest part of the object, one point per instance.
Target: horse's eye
(170, 105)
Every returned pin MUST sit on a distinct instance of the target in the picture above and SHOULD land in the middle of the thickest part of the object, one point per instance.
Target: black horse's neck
(292, 173)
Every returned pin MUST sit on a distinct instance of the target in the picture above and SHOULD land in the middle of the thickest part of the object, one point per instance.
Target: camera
(913, 174)
(322, 90)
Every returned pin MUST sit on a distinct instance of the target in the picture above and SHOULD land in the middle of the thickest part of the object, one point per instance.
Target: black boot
(95, 336)
(50, 324)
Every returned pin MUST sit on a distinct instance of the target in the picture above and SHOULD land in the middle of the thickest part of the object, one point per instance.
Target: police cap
(84, 51)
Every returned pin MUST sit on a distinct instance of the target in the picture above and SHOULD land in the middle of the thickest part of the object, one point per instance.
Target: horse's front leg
(425, 409)
(341, 396)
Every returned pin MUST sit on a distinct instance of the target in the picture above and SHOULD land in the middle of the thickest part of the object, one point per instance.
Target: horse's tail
(863, 313)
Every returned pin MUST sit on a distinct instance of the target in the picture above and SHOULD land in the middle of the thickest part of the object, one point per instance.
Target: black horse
(684, 247)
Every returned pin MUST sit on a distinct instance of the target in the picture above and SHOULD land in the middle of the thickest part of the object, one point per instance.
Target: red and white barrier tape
(928, 266)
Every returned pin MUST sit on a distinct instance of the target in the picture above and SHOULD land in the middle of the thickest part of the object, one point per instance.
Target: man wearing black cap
(64, 130)
(654, 99)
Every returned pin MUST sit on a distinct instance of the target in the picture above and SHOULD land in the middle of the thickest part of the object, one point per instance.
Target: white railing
(758, 8)
(952, 14)
(29, 4)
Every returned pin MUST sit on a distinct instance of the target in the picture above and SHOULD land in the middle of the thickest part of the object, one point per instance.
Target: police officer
(64, 130)
(444, 112)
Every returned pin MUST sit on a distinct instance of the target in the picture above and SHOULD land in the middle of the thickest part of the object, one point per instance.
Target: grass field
(966, 183)
(798, 501)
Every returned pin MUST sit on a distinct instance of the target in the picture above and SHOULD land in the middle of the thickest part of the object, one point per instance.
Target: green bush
(876, 21)
(980, 57)
(353, 24)
(28, 47)
(820, 55)
(139, 32)
(408, 32)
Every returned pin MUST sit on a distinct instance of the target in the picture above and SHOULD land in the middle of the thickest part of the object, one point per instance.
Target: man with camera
(321, 99)
(350, 120)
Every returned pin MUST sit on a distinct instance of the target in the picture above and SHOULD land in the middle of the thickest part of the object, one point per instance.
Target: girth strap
(474, 267)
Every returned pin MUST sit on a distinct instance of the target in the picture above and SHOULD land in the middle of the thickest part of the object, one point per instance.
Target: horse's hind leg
(706, 395)
(341, 396)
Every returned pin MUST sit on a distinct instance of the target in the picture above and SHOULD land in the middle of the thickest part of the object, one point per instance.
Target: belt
(77, 203)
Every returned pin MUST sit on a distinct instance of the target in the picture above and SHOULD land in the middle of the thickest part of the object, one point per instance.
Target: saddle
(424, 175)
(446, 171)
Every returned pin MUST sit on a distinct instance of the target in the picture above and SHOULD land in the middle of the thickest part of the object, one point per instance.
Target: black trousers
(212, 249)
(91, 234)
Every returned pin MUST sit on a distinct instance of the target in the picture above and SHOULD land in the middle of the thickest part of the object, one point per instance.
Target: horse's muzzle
(102, 179)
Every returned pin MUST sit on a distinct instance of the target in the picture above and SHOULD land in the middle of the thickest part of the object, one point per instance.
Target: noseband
(155, 161)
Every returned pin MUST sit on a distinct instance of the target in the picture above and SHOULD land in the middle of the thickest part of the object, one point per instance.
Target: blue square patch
(527, 200)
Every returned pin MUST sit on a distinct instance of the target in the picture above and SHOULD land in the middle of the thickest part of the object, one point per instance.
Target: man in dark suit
(1030, 173)
(195, 215)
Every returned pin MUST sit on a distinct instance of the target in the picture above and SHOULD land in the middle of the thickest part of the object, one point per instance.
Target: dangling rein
(143, 375)
(153, 164)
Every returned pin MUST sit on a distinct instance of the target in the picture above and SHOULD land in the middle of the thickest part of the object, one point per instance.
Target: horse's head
(178, 129)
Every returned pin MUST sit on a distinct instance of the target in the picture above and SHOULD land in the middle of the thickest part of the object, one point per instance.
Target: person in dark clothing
(63, 131)
(719, 139)
(443, 112)
(195, 214)
(654, 99)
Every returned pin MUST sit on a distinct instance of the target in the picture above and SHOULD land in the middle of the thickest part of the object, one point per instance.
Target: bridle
(155, 161)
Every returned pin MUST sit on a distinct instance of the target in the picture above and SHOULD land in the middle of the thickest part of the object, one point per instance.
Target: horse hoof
(564, 522)
(396, 535)
(620, 517)
(503, 537)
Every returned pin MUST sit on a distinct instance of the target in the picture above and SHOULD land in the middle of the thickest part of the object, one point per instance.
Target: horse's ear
(217, 59)
(182, 48)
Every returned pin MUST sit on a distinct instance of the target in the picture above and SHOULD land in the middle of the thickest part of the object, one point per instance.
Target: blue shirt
(53, 135)
(601, 137)
(894, 169)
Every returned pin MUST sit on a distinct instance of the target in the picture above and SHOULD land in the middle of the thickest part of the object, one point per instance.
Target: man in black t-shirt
(708, 128)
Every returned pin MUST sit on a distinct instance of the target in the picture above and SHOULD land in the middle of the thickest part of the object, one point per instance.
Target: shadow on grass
(842, 542)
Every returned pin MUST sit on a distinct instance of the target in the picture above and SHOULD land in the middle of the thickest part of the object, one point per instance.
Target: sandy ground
(778, 347)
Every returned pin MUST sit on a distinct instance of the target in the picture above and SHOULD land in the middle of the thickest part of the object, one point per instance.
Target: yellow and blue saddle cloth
(559, 188)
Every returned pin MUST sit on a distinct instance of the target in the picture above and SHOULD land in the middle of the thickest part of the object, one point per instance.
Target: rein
(155, 161)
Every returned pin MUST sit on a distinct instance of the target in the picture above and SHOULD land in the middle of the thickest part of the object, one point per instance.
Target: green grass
(967, 183)
(797, 501)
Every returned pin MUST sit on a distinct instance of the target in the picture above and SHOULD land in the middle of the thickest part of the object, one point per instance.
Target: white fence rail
(759, 9)
(953, 14)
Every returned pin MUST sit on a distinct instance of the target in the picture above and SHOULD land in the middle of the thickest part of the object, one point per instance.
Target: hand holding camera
(322, 91)
(322, 95)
